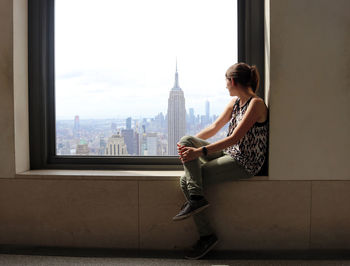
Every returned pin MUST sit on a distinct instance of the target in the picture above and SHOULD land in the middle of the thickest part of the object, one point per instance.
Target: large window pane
(133, 76)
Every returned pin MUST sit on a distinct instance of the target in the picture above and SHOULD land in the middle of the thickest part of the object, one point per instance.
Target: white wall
(310, 90)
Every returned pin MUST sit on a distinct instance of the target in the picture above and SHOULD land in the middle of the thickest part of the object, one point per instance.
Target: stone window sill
(109, 175)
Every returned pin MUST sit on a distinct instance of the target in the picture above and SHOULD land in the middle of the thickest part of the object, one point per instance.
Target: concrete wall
(20, 85)
(7, 135)
(303, 204)
(310, 81)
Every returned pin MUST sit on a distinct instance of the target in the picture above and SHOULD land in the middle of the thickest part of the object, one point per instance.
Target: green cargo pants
(205, 171)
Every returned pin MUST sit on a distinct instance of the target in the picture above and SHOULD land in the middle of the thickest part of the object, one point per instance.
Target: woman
(240, 155)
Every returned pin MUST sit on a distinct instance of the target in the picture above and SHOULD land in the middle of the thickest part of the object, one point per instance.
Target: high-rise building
(203, 121)
(128, 123)
(102, 148)
(66, 149)
(76, 129)
(207, 114)
(130, 139)
(152, 144)
(82, 148)
(191, 125)
(191, 115)
(116, 146)
(176, 116)
(137, 139)
(143, 143)
(162, 148)
(159, 122)
(137, 143)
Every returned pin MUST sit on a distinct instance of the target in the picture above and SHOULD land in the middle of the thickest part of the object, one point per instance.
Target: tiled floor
(42, 256)
(34, 260)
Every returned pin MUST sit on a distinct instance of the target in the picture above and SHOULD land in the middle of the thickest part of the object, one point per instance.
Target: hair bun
(252, 69)
(245, 75)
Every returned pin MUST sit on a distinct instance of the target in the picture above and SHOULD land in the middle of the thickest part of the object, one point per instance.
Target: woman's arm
(218, 123)
(255, 110)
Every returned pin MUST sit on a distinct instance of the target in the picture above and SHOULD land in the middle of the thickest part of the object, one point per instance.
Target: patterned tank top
(250, 151)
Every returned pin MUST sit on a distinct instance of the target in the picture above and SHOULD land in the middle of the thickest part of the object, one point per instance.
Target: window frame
(41, 75)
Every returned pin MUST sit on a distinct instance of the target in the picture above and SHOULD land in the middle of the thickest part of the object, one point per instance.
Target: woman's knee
(186, 140)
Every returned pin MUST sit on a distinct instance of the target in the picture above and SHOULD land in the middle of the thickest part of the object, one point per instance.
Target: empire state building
(176, 116)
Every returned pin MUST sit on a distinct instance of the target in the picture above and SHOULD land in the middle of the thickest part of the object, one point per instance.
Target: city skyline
(157, 136)
(146, 137)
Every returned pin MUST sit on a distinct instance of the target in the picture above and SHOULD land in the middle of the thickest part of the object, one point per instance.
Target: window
(48, 149)
(116, 61)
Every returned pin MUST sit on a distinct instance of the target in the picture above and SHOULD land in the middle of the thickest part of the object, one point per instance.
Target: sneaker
(202, 247)
(191, 207)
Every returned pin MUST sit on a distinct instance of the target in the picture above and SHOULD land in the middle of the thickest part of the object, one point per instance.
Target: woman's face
(230, 86)
(229, 82)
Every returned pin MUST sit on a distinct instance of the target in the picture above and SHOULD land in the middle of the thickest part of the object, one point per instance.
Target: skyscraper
(207, 114)
(152, 144)
(191, 115)
(176, 116)
(131, 140)
(116, 145)
(128, 123)
(76, 129)
(82, 148)
(102, 147)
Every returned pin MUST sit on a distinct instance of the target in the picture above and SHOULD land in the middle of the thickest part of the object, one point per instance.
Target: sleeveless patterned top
(251, 150)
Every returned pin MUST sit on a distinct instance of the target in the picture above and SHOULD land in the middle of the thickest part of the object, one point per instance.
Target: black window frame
(41, 71)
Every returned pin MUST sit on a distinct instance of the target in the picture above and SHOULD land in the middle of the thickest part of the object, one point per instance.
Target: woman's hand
(188, 153)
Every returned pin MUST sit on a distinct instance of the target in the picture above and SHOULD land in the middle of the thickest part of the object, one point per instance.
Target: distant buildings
(128, 123)
(131, 140)
(102, 147)
(116, 146)
(192, 118)
(207, 112)
(148, 143)
(176, 116)
(82, 148)
(152, 144)
(153, 136)
(76, 129)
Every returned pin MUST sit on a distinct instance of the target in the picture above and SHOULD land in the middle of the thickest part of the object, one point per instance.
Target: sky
(116, 59)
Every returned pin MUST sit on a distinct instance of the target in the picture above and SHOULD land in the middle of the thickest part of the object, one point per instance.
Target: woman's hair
(245, 75)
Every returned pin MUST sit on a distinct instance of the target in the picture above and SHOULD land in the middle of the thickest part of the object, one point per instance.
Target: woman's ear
(233, 83)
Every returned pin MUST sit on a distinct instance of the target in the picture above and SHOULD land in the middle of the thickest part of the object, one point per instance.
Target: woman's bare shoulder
(260, 103)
